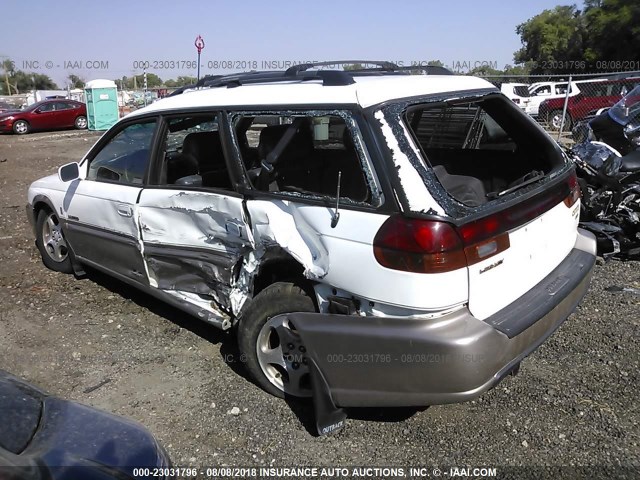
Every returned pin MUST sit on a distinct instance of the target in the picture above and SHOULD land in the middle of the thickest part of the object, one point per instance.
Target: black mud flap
(329, 418)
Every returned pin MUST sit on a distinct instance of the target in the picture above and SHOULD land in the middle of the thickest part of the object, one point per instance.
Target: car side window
(306, 154)
(561, 89)
(125, 157)
(193, 155)
(47, 107)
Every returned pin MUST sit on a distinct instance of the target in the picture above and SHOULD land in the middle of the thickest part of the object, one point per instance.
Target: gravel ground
(573, 403)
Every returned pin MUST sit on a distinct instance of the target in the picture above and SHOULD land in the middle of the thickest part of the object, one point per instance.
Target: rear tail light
(419, 246)
(435, 246)
(574, 191)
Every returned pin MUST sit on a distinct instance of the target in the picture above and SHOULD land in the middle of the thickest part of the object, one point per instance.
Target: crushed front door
(191, 242)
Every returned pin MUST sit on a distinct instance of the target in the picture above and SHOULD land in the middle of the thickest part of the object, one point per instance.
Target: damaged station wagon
(390, 239)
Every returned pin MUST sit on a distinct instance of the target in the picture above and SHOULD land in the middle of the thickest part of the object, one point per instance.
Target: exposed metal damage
(204, 248)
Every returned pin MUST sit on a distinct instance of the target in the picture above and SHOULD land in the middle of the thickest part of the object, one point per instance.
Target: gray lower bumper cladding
(384, 362)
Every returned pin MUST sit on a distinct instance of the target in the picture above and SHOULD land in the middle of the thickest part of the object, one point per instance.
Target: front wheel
(51, 243)
(81, 123)
(271, 347)
(20, 127)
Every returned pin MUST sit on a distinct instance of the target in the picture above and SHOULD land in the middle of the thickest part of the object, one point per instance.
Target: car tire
(20, 127)
(555, 120)
(51, 243)
(263, 348)
(81, 122)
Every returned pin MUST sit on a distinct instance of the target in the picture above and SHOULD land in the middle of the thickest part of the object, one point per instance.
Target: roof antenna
(336, 215)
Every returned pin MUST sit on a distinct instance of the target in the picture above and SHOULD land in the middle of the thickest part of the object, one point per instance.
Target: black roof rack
(302, 72)
(428, 69)
(303, 67)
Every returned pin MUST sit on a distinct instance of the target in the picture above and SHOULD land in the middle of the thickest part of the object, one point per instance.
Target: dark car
(44, 437)
(592, 97)
(45, 115)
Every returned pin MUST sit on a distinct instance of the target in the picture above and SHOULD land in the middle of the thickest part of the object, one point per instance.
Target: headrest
(205, 147)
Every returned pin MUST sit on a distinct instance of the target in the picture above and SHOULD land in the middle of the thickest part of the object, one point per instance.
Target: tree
(123, 83)
(553, 40)
(17, 81)
(153, 80)
(613, 28)
(75, 81)
(8, 68)
(523, 69)
(181, 81)
(484, 71)
(605, 36)
(33, 81)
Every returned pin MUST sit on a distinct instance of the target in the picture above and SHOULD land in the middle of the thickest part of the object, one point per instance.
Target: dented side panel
(283, 223)
(192, 241)
(342, 257)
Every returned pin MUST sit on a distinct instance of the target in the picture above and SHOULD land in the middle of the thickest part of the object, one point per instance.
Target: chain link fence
(560, 102)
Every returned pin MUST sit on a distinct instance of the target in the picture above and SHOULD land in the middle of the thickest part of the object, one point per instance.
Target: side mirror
(69, 172)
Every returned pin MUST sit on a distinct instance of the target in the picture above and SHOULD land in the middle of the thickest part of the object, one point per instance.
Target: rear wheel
(271, 347)
(81, 122)
(21, 127)
(51, 242)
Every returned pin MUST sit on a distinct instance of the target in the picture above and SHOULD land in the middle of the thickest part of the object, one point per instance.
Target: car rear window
(479, 148)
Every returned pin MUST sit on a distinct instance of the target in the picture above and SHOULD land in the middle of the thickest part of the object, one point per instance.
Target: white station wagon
(395, 239)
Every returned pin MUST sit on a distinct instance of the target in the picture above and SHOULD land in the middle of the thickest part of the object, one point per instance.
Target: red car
(592, 97)
(45, 115)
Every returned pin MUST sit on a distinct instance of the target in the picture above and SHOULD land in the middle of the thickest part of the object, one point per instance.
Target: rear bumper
(406, 362)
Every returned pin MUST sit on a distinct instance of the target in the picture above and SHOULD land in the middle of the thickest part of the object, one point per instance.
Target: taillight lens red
(574, 191)
(419, 246)
(435, 246)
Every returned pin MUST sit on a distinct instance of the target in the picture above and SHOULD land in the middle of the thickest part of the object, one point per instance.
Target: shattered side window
(302, 154)
(193, 155)
(125, 157)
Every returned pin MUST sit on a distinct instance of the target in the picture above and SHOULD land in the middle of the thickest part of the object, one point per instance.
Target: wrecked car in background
(387, 239)
(607, 156)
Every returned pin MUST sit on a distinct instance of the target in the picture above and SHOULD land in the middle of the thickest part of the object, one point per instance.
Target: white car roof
(366, 91)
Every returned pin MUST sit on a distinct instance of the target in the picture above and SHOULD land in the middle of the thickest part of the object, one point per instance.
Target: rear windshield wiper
(528, 179)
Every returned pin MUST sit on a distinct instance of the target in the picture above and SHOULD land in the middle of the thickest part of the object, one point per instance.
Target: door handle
(124, 210)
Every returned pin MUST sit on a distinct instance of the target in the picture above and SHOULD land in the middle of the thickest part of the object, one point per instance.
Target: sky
(116, 38)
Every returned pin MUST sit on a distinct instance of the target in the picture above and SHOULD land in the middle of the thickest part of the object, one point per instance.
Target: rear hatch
(510, 191)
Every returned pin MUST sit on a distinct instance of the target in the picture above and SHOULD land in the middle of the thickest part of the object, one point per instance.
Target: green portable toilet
(102, 104)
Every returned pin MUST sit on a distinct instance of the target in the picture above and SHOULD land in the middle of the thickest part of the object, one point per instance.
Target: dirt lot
(575, 401)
